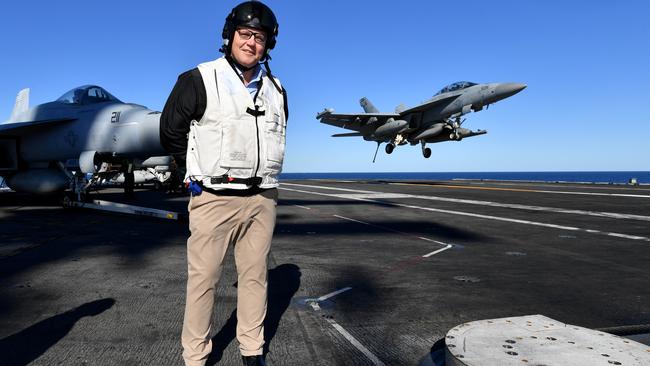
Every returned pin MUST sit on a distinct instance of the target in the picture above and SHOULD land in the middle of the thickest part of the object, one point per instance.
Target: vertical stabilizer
(367, 106)
(22, 103)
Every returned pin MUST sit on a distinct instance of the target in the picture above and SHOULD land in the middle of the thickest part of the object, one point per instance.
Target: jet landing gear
(129, 181)
(78, 198)
(426, 152)
(399, 140)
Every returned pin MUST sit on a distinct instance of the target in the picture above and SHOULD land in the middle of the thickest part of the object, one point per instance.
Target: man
(225, 122)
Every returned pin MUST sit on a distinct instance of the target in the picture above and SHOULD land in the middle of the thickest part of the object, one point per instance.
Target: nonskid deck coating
(87, 287)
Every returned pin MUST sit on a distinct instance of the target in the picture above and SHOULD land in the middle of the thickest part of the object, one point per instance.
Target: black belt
(234, 192)
(254, 181)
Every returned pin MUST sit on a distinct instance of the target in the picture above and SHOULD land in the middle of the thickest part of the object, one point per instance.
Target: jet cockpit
(87, 94)
(456, 86)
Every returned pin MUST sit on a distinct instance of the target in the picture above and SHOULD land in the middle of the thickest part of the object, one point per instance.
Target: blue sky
(585, 63)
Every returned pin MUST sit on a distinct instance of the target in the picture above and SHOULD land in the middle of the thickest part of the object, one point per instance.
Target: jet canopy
(87, 94)
(456, 86)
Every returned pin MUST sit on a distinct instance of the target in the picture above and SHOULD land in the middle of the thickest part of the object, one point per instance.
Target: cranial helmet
(252, 14)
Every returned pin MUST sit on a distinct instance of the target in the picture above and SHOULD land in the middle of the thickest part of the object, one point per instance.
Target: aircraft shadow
(29, 344)
(367, 291)
(351, 229)
(35, 236)
(52, 236)
(14, 199)
(284, 282)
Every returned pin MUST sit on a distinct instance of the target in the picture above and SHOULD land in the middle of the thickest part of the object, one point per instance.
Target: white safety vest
(229, 140)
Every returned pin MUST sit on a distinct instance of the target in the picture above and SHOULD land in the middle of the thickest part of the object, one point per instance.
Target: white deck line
(527, 190)
(341, 330)
(355, 343)
(374, 194)
(332, 294)
(449, 246)
(373, 225)
(480, 216)
(446, 246)
(594, 194)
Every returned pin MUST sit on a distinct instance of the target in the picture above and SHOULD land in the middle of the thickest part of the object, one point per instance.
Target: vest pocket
(274, 143)
(238, 146)
(204, 147)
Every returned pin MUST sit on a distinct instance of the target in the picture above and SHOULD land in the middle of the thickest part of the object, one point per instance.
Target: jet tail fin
(368, 107)
(22, 103)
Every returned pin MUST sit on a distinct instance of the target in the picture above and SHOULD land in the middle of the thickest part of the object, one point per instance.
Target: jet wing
(353, 121)
(430, 104)
(19, 128)
(351, 134)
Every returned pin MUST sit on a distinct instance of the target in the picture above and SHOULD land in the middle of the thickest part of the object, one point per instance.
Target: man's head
(248, 46)
(249, 32)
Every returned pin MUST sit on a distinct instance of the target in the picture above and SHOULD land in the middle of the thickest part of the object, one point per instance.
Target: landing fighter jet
(84, 133)
(437, 119)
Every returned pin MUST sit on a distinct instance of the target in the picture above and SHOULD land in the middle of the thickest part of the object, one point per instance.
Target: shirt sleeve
(186, 102)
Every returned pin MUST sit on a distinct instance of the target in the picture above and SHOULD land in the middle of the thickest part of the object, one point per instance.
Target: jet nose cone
(509, 89)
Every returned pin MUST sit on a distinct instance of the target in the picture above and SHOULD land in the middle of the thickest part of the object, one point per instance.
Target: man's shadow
(436, 356)
(29, 344)
(284, 281)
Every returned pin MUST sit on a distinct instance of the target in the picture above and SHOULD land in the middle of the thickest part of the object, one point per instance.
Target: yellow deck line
(468, 187)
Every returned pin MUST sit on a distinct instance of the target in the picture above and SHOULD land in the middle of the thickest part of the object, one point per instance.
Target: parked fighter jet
(3, 186)
(436, 120)
(86, 132)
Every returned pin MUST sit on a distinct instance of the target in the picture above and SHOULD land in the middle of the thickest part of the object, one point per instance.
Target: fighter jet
(435, 120)
(78, 138)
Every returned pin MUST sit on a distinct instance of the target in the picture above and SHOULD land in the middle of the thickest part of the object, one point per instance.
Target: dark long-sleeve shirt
(186, 102)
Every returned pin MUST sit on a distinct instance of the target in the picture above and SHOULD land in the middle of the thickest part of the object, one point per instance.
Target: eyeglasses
(245, 34)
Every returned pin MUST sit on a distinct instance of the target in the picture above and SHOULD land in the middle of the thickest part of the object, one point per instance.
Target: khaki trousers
(216, 222)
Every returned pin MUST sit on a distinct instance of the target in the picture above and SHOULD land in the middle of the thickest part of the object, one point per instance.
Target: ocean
(622, 177)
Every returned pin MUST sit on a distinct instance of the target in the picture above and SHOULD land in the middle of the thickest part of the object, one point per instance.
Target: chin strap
(236, 65)
(281, 90)
(270, 75)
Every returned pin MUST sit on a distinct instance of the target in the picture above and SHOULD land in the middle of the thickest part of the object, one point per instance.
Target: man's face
(248, 45)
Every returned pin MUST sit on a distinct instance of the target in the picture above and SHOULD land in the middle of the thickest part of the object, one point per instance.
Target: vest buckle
(255, 112)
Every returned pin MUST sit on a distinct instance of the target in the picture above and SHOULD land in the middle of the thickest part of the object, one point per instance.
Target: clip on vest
(193, 187)
(254, 112)
(254, 181)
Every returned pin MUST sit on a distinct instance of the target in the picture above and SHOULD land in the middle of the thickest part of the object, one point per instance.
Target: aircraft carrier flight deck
(360, 272)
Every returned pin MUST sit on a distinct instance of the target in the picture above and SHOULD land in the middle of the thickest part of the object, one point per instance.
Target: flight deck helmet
(252, 14)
